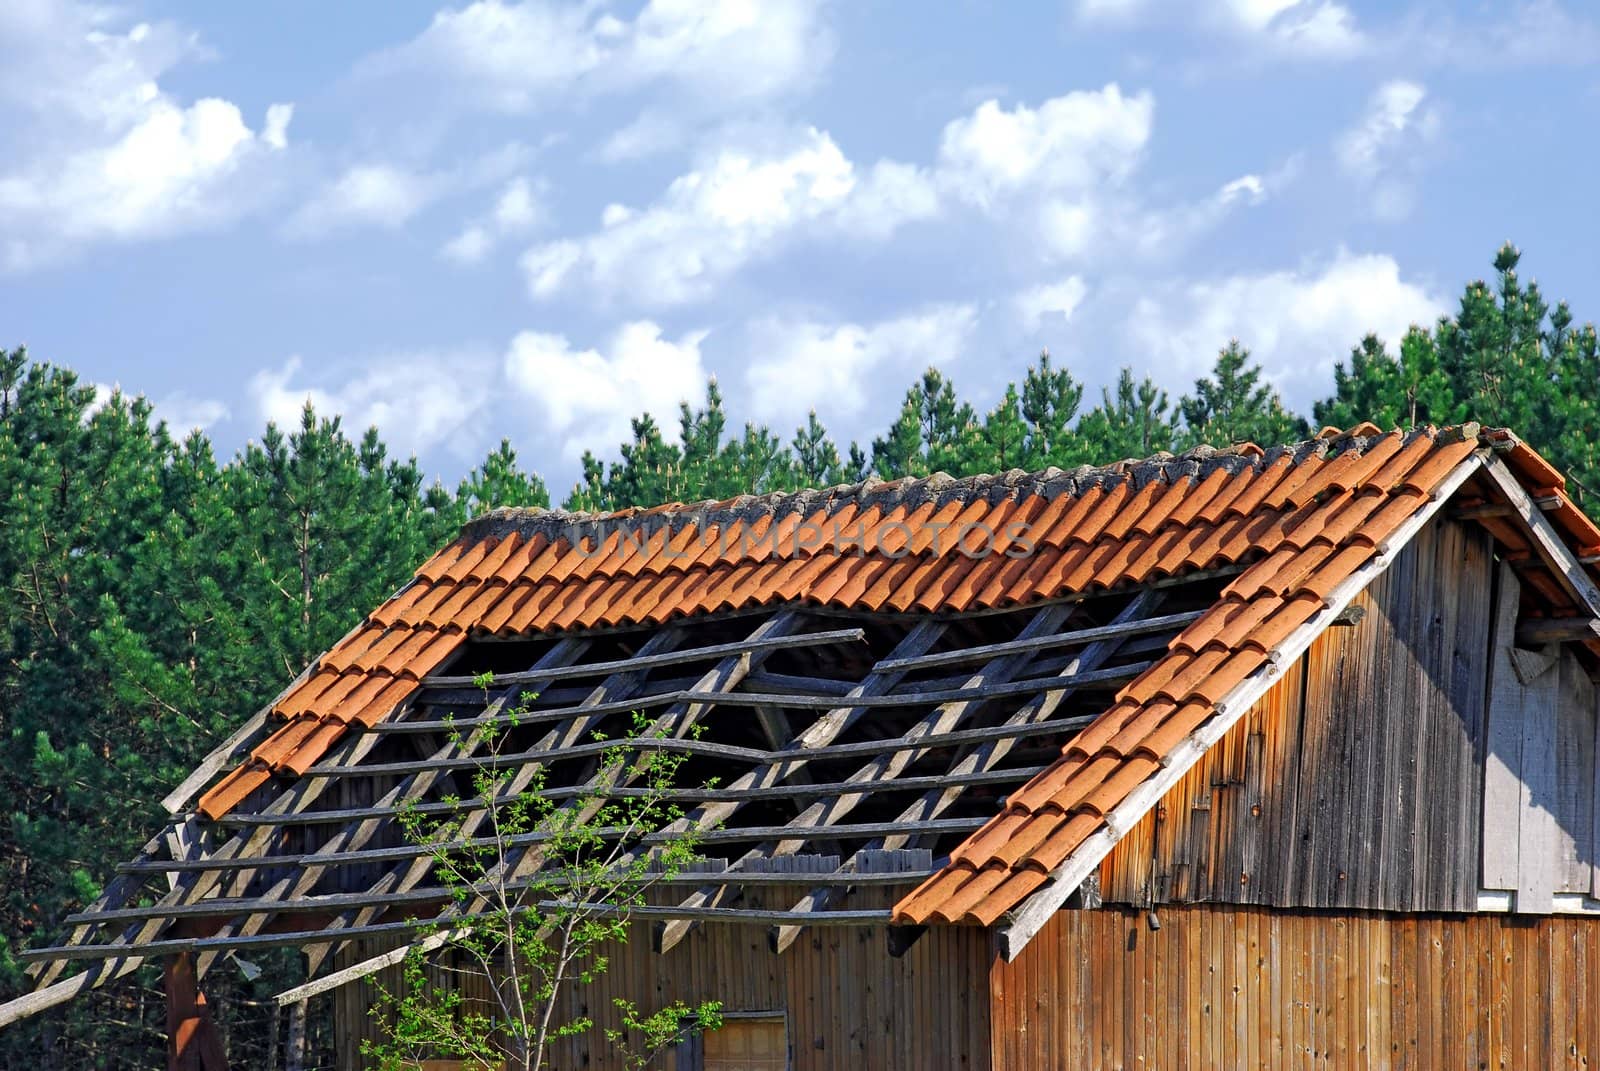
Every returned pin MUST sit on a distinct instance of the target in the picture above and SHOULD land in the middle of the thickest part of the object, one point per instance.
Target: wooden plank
(1552, 548)
(641, 661)
(1037, 910)
(824, 703)
(1573, 805)
(341, 816)
(1122, 627)
(1537, 847)
(1502, 775)
(1594, 786)
(1558, 630)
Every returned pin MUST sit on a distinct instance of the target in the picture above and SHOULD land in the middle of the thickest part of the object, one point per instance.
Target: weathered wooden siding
(849, 1004)
(1233, 987)
(1541, 778)
(1357, 780)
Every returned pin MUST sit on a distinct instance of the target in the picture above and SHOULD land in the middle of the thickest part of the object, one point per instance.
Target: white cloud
(517, 209)
(1296, 323)
(807, 365)
(585, 398)
(388, 196)
(366, 195)
(518, 57)
(100, 151)
(1298, 28)
(1383, 151)
(1049, 299)
(183, 412)
(737, 205)
(1070, 143)
(746, 201)
(651, 132)
(417, 400)
(468, 247)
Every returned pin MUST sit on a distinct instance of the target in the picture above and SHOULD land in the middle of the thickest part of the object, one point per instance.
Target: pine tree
(1136, 422)
(1232, 405)
(1050, 400)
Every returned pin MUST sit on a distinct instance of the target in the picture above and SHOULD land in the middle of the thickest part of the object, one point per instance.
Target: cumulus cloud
(1383, 151)
(99, 151)
(737, 205)
(1299, 28)
(184, 412)
(1296, 323)
(836, 367)
(585, 397)
(522, 56)
(518, 208)
(387, 196)
(1061, 298)
(418, 400)
(1047, 166)
(1069, 143)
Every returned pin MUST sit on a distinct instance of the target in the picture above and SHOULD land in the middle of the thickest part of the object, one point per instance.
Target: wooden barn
(1241, 758)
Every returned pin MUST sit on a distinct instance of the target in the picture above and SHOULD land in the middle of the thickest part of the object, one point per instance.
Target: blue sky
(469, 222)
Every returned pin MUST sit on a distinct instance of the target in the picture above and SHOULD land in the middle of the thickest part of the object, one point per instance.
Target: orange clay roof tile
(1134, 771)
(1067, 836)
(1201, 493)
(1018, 886)
(434, 568)
(235, 787)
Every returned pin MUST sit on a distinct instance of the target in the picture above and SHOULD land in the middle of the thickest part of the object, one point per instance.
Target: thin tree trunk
(272, 1039)
(295, 1058)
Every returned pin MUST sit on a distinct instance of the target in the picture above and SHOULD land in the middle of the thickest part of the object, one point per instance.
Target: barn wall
(1541, 800)
(1357, 780)
(849, 1004)
(1231, 987)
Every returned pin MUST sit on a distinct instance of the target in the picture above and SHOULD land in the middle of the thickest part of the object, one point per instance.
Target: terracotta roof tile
(1134, 771)
(434, 568)
(234, 788)
(1018, 886)
(1067, 836)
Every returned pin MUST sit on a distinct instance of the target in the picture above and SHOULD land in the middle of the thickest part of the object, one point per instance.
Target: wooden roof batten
(858, 741)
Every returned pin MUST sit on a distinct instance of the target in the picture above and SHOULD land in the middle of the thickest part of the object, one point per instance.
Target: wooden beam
(1478, 513)
(665, 658)
(683, 795)
(1120, 628)
(192, 1040)
(1536, 631)
(1557, 555)
(433, 894)
(1023, 923)
(59, 992)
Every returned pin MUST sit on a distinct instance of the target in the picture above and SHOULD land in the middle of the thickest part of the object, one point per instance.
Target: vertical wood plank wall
(1233, 987)
(1357, 780)
(849, 1004)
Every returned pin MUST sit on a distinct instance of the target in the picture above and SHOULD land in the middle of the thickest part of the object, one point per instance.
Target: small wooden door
(746, 1044)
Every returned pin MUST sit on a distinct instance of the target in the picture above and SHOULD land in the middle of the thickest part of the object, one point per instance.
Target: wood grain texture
(848, 1003)
(1246, 987)
(1354, 781)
